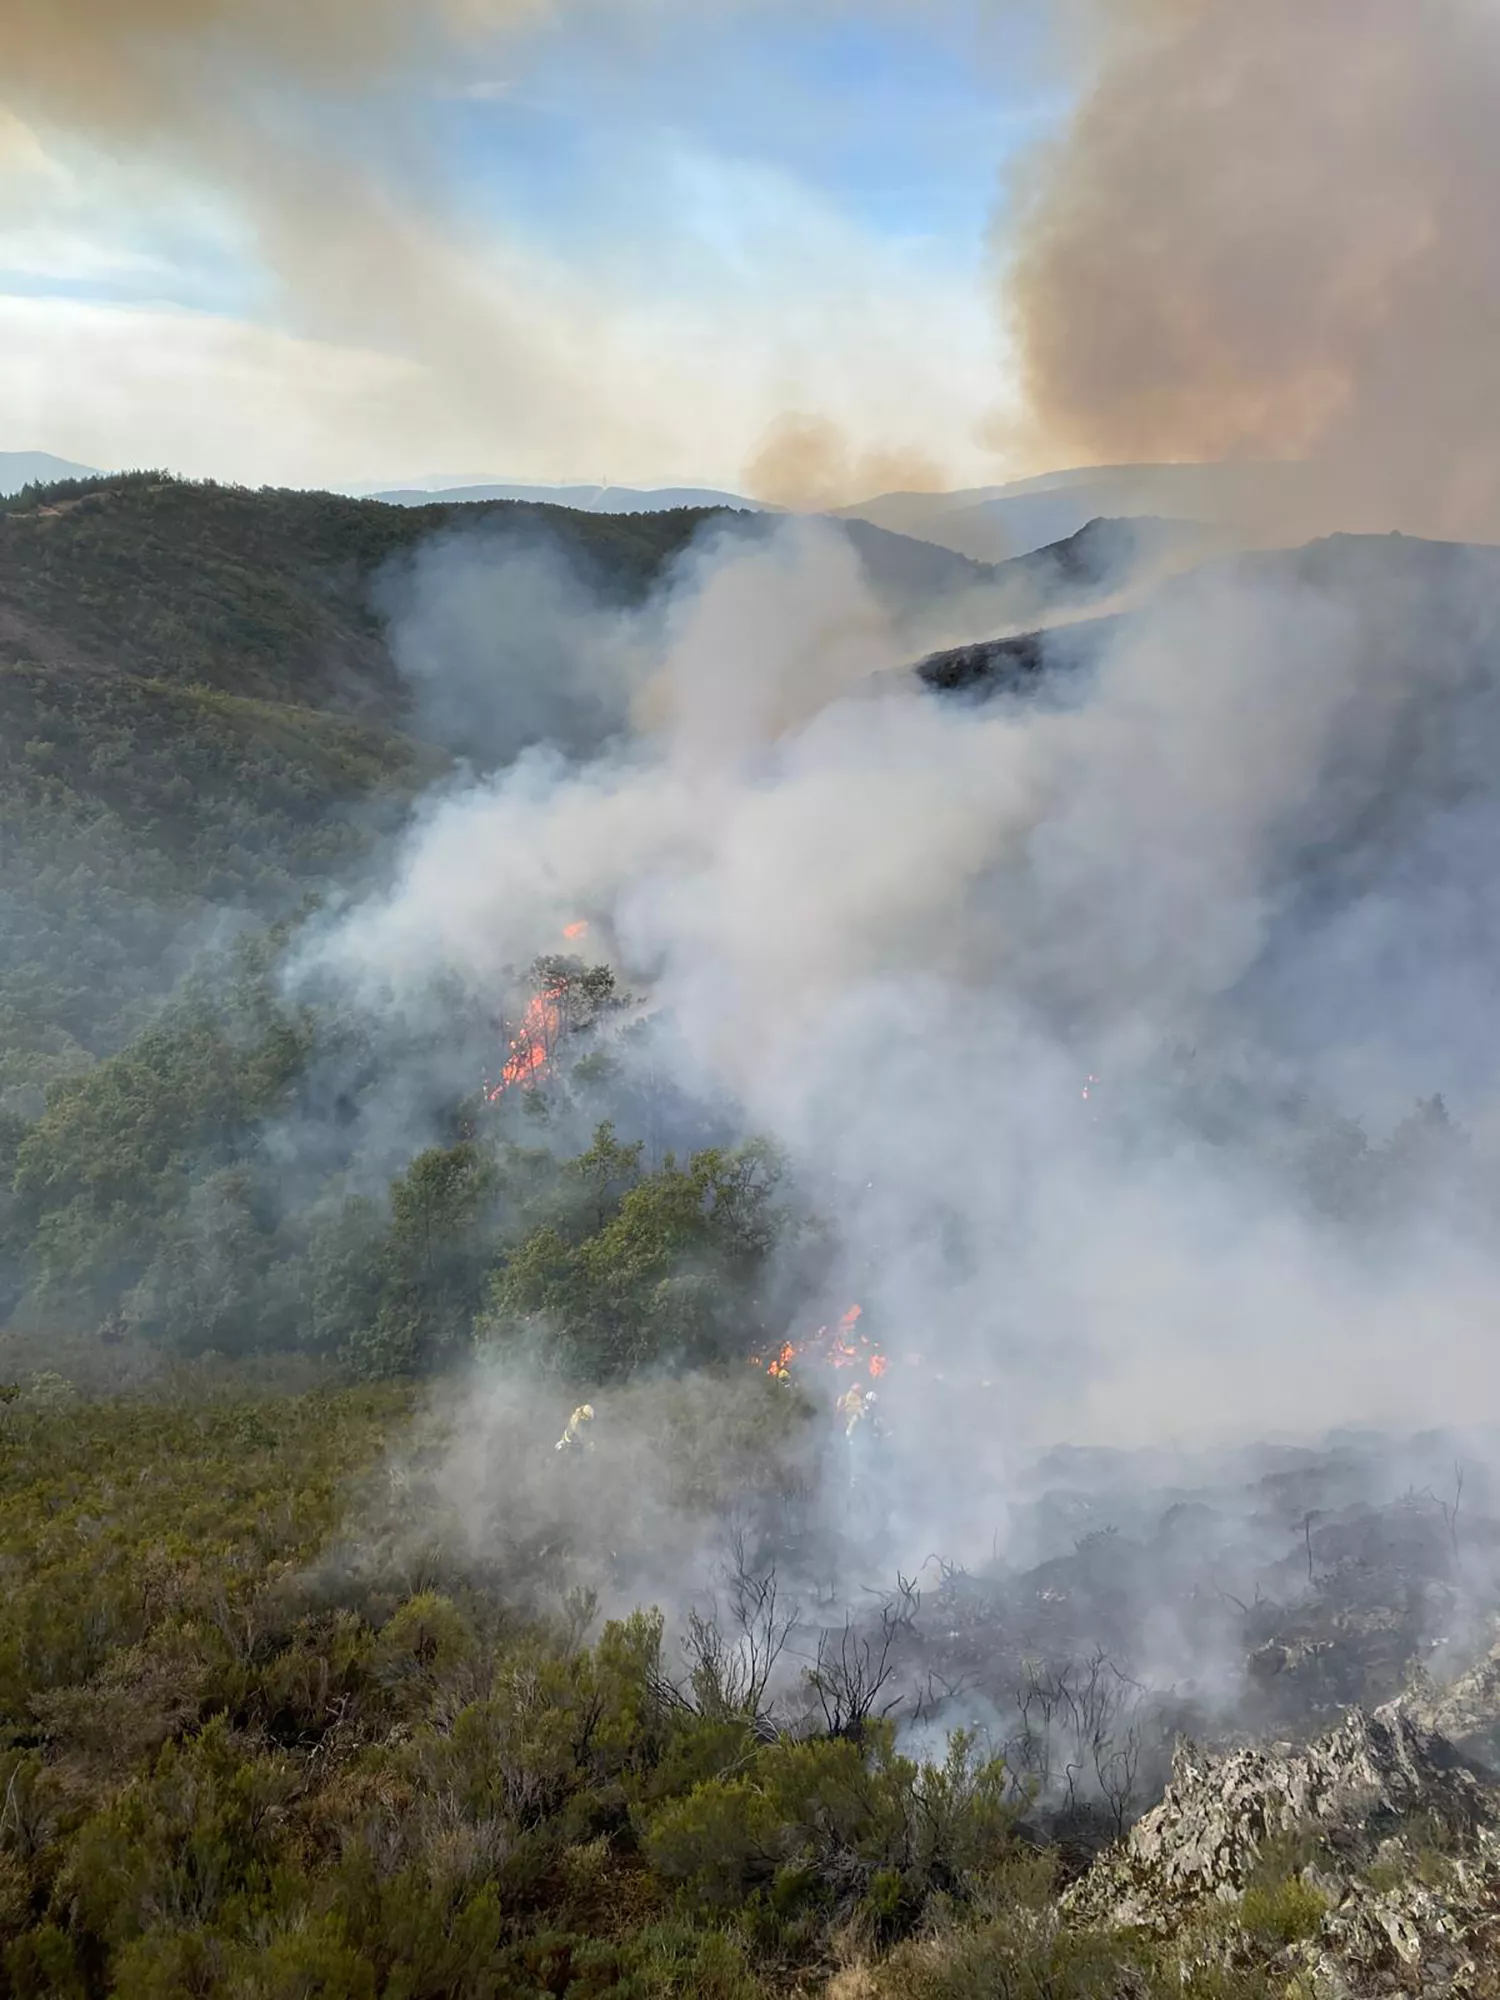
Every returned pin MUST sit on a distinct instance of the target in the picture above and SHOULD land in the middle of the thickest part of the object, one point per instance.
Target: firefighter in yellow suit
(854, 1408)
(578, 1423)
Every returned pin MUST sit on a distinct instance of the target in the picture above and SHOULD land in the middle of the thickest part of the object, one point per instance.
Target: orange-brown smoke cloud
(363, 250)
(809, 463)
(1268, 233)
(236, 92)
(117, 63)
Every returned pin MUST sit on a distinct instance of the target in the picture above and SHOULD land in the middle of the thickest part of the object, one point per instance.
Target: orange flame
(838, 1346)
(536, 1038)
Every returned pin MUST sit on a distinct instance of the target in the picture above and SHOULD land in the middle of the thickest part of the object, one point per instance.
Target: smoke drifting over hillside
(901, 932)
(808, 462)
(1266, 233)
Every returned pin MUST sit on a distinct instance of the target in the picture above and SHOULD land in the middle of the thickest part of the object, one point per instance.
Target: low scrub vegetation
(245, 1751)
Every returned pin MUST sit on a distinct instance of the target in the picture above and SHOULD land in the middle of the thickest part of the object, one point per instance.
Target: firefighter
(854, 1408)
(574, 1438)
(862, 1428)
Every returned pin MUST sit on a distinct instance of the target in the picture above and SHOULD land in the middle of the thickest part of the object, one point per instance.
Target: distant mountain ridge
(20, 469)
(1402, 588)
(996, 523)
(583, 499)
(986, 524)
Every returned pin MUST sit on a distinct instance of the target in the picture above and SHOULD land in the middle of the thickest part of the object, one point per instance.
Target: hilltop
(260, 594)
(994, 523)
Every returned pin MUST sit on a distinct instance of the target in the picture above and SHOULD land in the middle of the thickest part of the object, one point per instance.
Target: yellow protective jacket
(852, 1407)
(582, 1416)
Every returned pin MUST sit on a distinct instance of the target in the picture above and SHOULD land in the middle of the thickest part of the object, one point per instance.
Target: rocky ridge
(1369, 1861)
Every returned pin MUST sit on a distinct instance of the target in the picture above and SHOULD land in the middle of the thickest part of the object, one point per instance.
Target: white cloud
(740, 294)
(128, 386)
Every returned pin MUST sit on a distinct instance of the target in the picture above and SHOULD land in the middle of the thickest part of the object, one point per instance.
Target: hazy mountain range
(583, 499)
(987, 523)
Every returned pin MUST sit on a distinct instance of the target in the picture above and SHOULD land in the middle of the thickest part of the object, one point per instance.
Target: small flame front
(531, 1047)
(534, 1043)
(840, 1346)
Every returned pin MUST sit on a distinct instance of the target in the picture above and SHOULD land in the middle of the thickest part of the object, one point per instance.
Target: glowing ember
(1089, 1087)
(574, 931)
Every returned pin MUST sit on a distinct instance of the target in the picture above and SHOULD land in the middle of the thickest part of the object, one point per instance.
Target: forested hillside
(263, 594)
(202, 732)
(200, 717)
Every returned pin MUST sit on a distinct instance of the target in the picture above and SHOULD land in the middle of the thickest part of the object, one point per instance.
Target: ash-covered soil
(1133, 1601)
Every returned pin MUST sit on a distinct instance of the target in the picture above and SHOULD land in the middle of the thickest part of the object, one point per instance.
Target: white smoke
(900, 931)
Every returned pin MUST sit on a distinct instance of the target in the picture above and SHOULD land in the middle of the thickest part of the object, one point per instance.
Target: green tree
(118, 1151)
(438, 1250)
(345, 1273)
(216, 1281)
(681, 1266)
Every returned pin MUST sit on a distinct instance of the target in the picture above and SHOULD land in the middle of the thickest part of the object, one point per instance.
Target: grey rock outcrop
(1386, 1837)
(1467, 1711)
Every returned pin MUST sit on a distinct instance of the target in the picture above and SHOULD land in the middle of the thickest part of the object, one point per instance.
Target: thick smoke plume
(1263, 234)
(1063, 1007)
(901, 934)
(1266, 234)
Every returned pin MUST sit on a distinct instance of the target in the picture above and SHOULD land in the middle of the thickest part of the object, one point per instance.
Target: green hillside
(199, 713)
(264, 594)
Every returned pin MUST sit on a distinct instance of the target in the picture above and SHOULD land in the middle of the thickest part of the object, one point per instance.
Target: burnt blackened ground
(1259, 1603)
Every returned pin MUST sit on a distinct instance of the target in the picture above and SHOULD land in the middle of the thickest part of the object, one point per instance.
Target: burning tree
(567, 997)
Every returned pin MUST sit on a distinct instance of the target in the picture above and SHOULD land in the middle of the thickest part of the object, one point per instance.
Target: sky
(631, 243)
